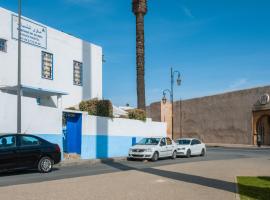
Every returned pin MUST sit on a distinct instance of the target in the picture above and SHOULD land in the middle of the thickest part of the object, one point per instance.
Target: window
(198, 142)
(163, 142)
(3, 45)
(7, 142)
(77, 73)
(47, 65)
(149, 141)
(183, 142)
(29, 141)
(169, 141)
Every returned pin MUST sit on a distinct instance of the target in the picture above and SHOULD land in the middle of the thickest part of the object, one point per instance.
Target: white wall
(65, 48)
(40, 120)
(93, 125)
(8, 112)
(35, 119)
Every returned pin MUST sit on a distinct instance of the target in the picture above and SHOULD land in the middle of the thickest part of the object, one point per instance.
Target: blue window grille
(3, 45)
(47, 65)
(77, 73)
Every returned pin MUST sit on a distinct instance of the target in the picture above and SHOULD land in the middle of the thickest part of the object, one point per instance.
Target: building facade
(238, 117)
(58, 71)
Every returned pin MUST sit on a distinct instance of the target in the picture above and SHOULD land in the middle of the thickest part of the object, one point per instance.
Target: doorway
(72, 133)
(263, 129)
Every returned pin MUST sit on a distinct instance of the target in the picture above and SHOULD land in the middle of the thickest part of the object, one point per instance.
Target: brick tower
(139, 8)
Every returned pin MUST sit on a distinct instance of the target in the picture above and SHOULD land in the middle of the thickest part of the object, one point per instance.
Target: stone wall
(223, 118)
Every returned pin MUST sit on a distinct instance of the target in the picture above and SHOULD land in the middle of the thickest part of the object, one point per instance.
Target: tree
(139, 8)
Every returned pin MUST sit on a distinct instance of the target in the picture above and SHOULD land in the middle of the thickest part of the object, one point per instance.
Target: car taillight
(57, 148)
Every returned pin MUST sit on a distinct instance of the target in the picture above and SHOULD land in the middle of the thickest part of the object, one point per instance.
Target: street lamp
(171, 92)
(164, 100)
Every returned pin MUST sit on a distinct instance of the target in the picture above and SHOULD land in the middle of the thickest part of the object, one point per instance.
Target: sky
(217, 46)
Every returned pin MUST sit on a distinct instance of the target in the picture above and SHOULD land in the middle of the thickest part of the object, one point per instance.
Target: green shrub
(71, 108)
(89, 106)
(102, 108)
(137, 114)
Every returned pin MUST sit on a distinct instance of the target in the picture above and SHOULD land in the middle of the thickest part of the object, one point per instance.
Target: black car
(20, 151)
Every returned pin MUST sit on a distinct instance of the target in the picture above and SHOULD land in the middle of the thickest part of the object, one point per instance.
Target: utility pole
(139, 8)
(164, 100)
(172, 101)
(19, 86)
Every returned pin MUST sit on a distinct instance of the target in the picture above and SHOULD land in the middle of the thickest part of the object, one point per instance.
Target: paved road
(25, 177)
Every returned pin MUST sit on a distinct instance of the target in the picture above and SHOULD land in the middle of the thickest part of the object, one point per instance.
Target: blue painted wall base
(98, 146)
(104, 146)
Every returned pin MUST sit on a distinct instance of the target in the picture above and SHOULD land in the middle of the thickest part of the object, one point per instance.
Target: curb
(77, 162)
(237, 195)
(236, 146)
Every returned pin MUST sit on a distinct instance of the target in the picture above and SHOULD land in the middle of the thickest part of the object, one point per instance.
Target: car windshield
(183, 142)
(149, 141)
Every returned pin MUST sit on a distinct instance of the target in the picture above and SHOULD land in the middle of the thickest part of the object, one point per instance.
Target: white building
(58, 71)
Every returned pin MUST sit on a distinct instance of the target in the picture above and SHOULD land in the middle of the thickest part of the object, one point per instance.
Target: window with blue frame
(47, 65)
(3, 45)
(77, 73)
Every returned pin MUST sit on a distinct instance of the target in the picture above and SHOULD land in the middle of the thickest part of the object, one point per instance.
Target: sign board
(264, 99)
(31, 33)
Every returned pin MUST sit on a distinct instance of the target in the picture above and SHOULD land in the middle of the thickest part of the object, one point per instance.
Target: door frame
(257, 116)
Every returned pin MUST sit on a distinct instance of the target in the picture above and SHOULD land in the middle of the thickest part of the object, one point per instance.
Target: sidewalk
(74, 162)
(236, 146)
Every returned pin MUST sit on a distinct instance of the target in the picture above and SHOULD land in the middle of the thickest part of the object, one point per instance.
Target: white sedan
(190, 147)
(153, 148)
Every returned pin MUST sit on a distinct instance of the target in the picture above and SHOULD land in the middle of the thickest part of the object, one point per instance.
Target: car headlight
(130, 149)
(148, 150)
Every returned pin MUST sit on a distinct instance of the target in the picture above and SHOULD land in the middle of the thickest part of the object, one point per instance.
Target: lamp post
(171, 92)
(19, 88)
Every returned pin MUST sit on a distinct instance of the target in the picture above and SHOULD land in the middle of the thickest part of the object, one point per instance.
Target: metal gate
(72, 133)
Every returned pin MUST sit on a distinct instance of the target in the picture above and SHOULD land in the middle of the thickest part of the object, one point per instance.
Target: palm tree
(139, 8)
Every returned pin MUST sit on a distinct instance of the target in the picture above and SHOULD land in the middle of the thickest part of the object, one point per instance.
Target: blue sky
(218, 46)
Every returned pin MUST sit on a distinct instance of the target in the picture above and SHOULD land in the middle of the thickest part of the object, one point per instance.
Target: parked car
(20, 151)
(190, 147)
(153, 148)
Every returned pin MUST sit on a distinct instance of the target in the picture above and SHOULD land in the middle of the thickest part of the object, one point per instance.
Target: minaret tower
(139, 8)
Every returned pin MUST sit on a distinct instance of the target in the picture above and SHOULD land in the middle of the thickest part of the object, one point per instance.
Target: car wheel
(188, 153)
(203, 152)
(155, 157)
(45, 165)
(174, 155)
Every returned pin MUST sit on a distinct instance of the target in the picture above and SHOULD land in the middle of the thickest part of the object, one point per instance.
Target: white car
(190, 147)
(153, 148)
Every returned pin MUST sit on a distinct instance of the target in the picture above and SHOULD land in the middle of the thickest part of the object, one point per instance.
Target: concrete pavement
(212, 179)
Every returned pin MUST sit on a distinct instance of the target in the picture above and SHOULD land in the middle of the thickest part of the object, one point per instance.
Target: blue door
(73, 133)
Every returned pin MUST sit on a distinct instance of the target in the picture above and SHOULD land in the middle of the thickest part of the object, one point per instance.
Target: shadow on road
(22, 172)
(199, 180)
